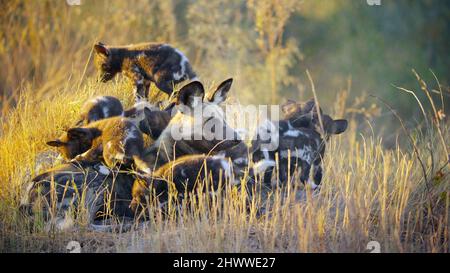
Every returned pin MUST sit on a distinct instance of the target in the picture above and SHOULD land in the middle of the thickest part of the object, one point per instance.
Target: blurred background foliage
(350, 48)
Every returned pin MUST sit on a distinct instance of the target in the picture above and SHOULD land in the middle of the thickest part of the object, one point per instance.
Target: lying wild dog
(144, 63)
(99, 108)
(301, 144)
(149, 118)
(116, 139)
(300, 115)
(58, 192)
(103, 107)
(186, 173)
(197, 127)
(152, 121)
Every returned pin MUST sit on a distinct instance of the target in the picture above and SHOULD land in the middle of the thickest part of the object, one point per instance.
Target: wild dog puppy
(188, 172)
(150, 119)
(198, 126)
(68, 185)
(116, 140)
(103, 107)
(301, 144)
(305, 148)
(184, 174)
(100, 108)
(142, 64)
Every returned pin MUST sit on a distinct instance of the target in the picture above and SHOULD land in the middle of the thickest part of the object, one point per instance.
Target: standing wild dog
(301, 143)
(116, 139)
(198, 126)
(142, 64)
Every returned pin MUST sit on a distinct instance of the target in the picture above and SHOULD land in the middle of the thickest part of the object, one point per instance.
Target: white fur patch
(240, 160)
(292, 133)
(131, 133)
(262, 165)
(140, 106)
(312, 184)
(105, 111)
(303, 154)
(180, 74)
(226, 167)
(99, 99)
(103, 170)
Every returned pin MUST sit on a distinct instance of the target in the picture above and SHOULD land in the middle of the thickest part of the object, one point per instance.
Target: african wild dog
(197, 127)
(189, 172)
(116, 139)
(100, 108)
(83, 183)
(301, 143)
(142, 64)
(149, 118)
(185, 174)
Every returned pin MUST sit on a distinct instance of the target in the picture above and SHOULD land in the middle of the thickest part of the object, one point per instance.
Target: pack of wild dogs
(110, 168)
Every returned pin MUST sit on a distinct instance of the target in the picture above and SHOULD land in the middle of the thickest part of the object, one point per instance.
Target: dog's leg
(318, 173)
(306, 169)
(90, 155)
(138, 81)
(147, 85)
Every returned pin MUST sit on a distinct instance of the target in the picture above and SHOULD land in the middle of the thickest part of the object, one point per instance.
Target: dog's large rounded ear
(339, 126)
(221, 92)
(191, 95)
(56, 143)
(101, 48)
(79, 133)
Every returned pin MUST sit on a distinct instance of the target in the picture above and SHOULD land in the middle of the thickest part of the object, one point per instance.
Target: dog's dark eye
(105, 66)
